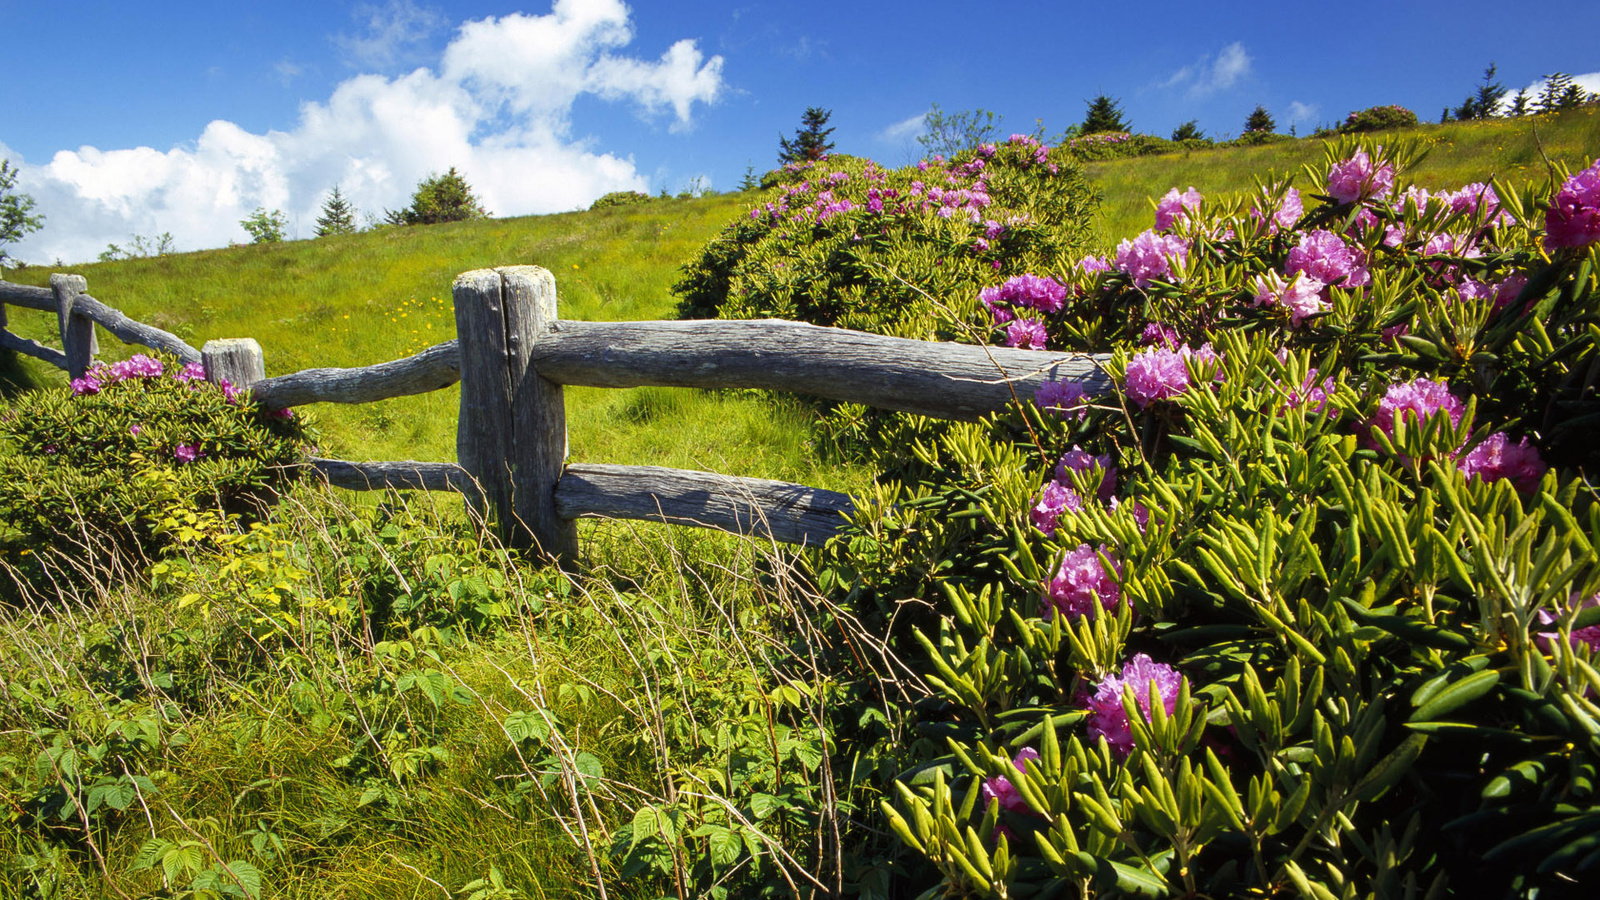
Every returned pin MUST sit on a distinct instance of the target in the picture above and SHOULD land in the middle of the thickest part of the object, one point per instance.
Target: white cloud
(392, 33)
(1209, 75)
(1589, 82)
(287, 71)
(498, 109)
(1301, 112)
(906, 128)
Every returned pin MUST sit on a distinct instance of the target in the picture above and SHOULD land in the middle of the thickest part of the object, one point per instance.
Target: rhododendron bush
(89, 475)
(1309, 606)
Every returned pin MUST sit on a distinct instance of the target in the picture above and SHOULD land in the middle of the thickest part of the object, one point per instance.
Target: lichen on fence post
(77, 330)
(512, 435)
(238, 361)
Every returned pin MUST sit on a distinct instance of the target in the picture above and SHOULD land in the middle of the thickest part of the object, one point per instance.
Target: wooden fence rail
(513, 356)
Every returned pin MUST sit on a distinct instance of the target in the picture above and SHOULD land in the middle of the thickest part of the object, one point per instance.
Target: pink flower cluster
(1040, 293)
(1288, 211)
(1325, 256)
(1357, 178)
(1150, 256)
(1175, 206)
(1061, 494)
(999, 787)
(1418, 402)
(1573, 219)
(1065, 398)
(136, 366)
(1082, 586)
(1301, 295)
(1107, 716)
(1159, 373)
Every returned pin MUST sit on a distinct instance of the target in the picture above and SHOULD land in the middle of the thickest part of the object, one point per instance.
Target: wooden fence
(512, 356)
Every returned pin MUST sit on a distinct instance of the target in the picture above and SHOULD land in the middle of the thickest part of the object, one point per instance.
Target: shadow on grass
(14, 377)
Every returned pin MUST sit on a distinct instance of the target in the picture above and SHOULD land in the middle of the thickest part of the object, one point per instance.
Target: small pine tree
(1260, 120)
(749, 182)
(338, 215)
(439, 198)
(1560, 93)
(1188, 131)
(1483, 103)
(811, 141)
(1104, 114)
(1520, 103)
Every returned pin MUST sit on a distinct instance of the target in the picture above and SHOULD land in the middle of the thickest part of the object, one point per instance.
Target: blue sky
(132, 118)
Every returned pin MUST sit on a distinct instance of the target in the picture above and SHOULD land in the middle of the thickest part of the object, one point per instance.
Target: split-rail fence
(512, 356)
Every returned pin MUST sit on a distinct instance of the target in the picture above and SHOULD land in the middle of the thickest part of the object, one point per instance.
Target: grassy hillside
(1513, 150)
(367, 298)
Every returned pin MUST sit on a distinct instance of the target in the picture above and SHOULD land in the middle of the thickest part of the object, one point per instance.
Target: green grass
(1460, 153)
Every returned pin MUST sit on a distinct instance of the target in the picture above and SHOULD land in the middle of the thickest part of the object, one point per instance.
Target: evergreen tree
(1188, 131)
(1560, 93)
(811, 141)
(338, 215)
(1483, 103)
(749, 182)
(1260, 120)
(1519, 103)
(1104, 114)
(439, 198)
(16, 210)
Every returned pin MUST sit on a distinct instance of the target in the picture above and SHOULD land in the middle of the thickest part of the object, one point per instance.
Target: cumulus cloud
(1301, 113)
(1211, 74)
(390, 34)
(497, 108)
(905, 128)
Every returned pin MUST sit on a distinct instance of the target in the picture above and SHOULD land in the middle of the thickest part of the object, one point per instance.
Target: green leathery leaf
(1456, 695)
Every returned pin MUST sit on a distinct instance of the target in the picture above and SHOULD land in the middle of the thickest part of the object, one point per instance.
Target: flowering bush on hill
(1308, 607)
(89, 475)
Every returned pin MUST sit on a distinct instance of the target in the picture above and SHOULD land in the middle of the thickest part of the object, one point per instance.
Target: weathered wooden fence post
(77, 331)
(512, 435)
(238, 361)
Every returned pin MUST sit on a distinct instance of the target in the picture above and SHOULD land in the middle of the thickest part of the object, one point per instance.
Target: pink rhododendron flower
(1325, 256)
(1081, 586)
(1107, 716)
(1044, 294)
(134, 429)
(1498, 458)
(1588, 636)
(137, 366)
(1150, 255)
(187, 453)
(1480, 200)
(1063, 398)
(1301, 295)
(88, 384)
(1471, 289)
(1157, 333)
(1573, 219)
(1509, 290)
(1159, 373)
(195, 372)
(1094, 265)
(1175, 206)
(1079, 460)
(1311, 392)
(1289, 211)
(1029, 334)
(1000, 787)
(1358, 179)
(1416, 197)
(1415, 403)
(1055, 499)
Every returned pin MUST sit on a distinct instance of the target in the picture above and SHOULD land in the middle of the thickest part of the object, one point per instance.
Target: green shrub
(848, 243)
(1378, 118)
(620, 198)
(90, 477)
(1373, 634)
